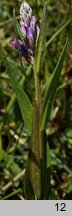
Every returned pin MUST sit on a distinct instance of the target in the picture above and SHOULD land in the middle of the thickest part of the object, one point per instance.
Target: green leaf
(15, 169)
(53, 194)
(46, 169)
(13, 97)
(23, 100)
(59, 31)
(10, 164)
(40, 50)
(51, 89)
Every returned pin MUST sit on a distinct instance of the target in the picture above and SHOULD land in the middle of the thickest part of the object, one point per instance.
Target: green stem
(38, 102)
(12, 194)
(37, 89)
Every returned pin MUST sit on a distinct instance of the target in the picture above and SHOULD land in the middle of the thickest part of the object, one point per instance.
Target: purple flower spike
(30, 31)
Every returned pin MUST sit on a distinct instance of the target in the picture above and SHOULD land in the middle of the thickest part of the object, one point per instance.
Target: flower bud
(25, 13)
(30, 37)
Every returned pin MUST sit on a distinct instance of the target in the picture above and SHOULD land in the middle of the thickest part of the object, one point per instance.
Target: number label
(60, 207)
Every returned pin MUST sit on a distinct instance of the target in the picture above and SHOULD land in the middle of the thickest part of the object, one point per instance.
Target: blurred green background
(14, 137)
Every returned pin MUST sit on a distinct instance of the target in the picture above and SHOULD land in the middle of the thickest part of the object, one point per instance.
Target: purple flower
(23, 29)
(22, 48)
(30, 37)
(30, 31)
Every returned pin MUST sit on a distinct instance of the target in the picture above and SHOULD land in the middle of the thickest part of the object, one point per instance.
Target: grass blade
(7, 197)
(51, 89)
(58, 31)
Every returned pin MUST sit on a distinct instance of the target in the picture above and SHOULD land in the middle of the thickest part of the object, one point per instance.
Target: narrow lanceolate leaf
(40, 50)
(34, 159)
(51, 89)
(23, 100)
(13, 97)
